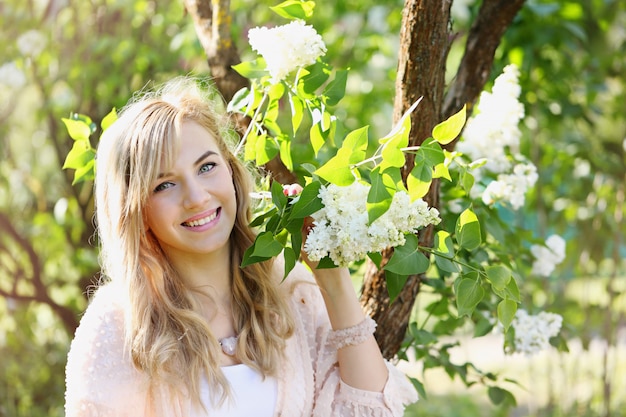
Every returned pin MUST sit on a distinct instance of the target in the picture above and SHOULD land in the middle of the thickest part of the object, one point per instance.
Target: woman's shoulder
(105, 308)
(100, 335)
(99, 371)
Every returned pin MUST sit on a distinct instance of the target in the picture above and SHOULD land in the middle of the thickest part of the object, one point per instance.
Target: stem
(378, 155)
(451, 258)
(252, 122)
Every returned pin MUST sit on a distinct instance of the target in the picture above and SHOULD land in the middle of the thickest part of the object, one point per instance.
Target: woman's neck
(208, 274)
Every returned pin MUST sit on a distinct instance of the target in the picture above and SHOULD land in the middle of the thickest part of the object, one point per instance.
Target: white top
(251, 394)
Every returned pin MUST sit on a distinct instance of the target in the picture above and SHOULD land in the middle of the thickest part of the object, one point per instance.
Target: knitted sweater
(102, 381)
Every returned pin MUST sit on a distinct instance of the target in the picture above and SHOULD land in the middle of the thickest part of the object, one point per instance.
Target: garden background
(64, 56)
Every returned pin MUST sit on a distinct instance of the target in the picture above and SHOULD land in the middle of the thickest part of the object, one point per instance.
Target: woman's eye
(162, 186)
(207, 167)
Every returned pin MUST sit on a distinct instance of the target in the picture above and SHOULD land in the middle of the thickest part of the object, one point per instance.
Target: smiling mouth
(204, 220)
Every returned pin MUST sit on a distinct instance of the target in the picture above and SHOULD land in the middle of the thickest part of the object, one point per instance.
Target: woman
(179, 329)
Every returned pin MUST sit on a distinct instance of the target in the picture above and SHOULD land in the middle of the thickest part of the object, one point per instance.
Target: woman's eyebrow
(198, 161)
(204, 155)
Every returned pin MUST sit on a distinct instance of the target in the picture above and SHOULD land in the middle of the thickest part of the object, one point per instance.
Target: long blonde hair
(165, 334)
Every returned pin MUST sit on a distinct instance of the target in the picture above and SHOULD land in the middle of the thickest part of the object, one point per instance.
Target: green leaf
(395, 283)
(285, 152)
(336, 89)
(252, 69)
(392, 155)
(270, 117)
(261, 217)
(338, 169)
(511, 291)
(407, 259)
(109, 119)
(506, 312)
(431, 153)
(289, 255)
(265, 149)
(240, 100)
(498, 275)
(375, 257)
(482, 327)
(295, 230)
(444, 252)
(266, 246)
(297, 112)
(355, 144)
(276, 92)
(316, 76)
(467, 181)
(446, 131)
(423, 337)
(468, 234)
(85, 173)
(419, 387)
(496, 395)
(278, 196)
(469, 294)
(441, 171)
(326, 263)
(263, 248)
(77, 129)
(419, 180)
(501, 397)
(379, 197)
(308, 202)
(316, 137)
(294, 9)
(80, 154)
(250, 147)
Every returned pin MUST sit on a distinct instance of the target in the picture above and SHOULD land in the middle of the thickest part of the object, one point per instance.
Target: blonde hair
(166, 336)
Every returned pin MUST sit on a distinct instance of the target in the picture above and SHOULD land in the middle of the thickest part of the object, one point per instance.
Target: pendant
(229, 345)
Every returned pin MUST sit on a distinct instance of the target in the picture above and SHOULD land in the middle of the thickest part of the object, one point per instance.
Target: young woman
(178, 328)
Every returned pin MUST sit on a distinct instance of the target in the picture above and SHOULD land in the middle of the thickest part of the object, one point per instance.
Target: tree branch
(41, 294)
(212, 21)
(494, 17)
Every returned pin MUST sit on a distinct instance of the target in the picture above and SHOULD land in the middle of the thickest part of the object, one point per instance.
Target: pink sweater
(102, 381)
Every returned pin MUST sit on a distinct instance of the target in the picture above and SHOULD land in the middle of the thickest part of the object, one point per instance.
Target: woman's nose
(195, 195)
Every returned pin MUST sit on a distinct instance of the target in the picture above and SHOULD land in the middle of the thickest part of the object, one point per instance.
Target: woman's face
(192, 207)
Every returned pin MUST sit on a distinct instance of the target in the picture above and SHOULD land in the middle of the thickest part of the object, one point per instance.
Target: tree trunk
(424, 45)
(212, 22)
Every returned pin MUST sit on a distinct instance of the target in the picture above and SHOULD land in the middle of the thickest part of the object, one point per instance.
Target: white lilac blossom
(12, 76)
(511, 188)
(494, 130)
(493, 134)
(549, 256)
(286, 48)
(533, 332)
(31, 43)
(341, 228)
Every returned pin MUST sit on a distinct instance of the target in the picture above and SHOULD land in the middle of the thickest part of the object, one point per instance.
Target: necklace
(229, 345)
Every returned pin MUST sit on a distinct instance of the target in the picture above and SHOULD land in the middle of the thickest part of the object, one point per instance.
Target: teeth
(200, 222)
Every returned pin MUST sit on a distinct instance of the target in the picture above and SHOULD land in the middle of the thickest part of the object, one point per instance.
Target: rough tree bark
(425, 40)
(424, 45)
